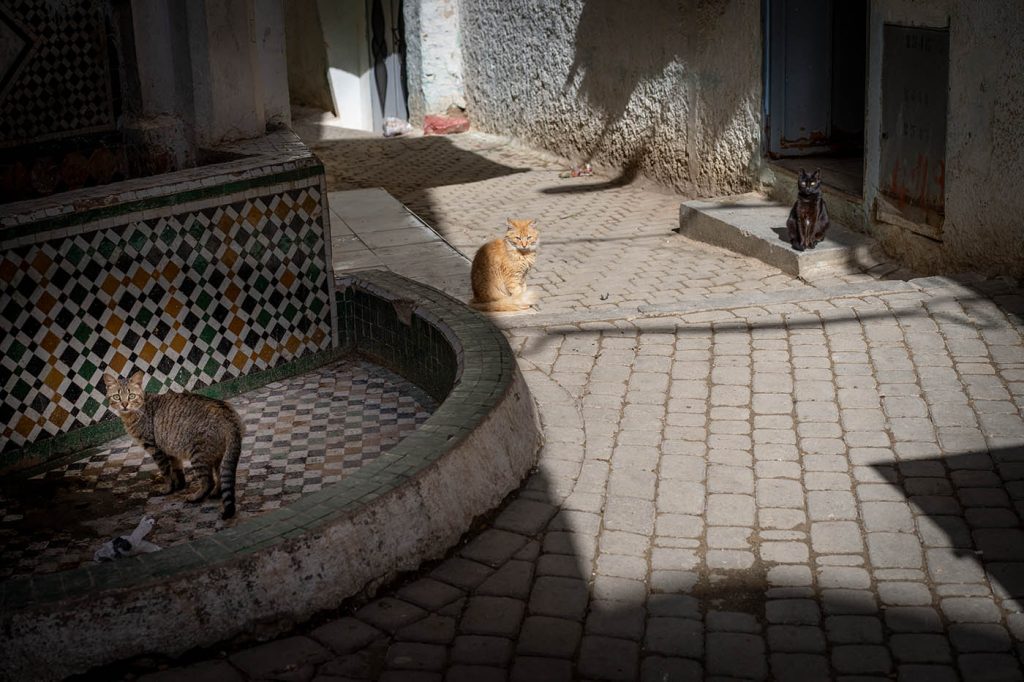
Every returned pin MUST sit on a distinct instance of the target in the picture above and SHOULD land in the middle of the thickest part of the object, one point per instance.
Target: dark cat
(173, 427)
(809, 218)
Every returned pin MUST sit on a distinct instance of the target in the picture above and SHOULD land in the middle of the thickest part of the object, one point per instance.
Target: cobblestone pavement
(817, 487)
(466, 185)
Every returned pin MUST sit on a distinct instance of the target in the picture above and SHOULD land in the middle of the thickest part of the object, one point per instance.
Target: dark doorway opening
(815, 68)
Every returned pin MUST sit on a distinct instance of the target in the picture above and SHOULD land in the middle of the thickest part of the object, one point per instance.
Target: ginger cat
(500, 267)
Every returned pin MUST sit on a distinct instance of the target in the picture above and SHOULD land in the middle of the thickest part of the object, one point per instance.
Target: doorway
(815, 68)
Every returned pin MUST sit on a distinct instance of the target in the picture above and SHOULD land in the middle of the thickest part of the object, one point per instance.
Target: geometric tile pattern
(301, 434)
(190, 299)
(56, 81)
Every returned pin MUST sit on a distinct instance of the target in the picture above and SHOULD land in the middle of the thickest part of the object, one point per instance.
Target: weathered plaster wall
(434, 57)
(307, 56)
(671, 90)
(983, 228)
(271, 56)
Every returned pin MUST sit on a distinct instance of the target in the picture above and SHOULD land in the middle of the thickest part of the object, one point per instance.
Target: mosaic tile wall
(55, 73)
(191, 298)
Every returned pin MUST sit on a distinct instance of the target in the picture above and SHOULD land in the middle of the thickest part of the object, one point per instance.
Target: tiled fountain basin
(303, 433)
(408, 505)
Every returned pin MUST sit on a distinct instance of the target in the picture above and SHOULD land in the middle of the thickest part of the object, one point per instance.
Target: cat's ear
(509, 225)
(136, 380)
(532, 224)
(817, 173)
(110, 380)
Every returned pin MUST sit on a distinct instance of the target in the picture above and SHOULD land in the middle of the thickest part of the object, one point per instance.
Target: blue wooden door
(798, 77)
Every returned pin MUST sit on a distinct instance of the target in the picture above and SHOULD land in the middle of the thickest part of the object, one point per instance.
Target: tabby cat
(809, 218)
(173, 427)
(500, 267)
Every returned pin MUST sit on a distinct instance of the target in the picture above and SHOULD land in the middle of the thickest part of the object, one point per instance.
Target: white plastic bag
(128, 545)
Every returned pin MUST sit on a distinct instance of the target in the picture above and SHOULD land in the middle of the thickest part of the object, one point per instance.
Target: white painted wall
(272, 57)
(348, 61)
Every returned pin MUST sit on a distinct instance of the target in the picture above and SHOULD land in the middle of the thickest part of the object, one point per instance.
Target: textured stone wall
(434, 64)
(670, 90)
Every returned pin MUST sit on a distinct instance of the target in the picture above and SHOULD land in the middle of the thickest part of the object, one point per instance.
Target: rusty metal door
(798, 84)
(915, 88)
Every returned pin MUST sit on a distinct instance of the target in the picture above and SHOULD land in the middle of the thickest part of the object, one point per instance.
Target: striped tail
(228, 465)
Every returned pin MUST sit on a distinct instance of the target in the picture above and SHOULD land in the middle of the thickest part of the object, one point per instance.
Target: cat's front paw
(797, 246)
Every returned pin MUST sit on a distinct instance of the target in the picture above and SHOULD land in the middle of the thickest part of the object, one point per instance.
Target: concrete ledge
(409, 505)
(754, 226)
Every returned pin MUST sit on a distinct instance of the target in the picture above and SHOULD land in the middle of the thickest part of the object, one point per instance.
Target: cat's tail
(229, 464)
(507, 304)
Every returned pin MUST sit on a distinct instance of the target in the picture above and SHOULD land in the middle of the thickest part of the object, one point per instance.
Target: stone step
(752, 225)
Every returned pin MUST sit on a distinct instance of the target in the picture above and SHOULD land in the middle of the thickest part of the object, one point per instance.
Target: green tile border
(483, 374)
(66, 220)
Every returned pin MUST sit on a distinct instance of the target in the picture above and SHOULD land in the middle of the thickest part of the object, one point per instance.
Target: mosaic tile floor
(301, 434)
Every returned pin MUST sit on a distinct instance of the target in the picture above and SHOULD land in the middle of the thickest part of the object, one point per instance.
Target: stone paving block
(526, 517)
(861, 659)
(280, 657)
(843, 629)
(661, 669)
(612, 588)
(952, 566)
(606, 658)
(784, 552)
(904, 594)
(779, 493)
(621, 566)
(673, 605)
(345, 635)
(429, 594)
(894, 550)
(415, 656)
(615, 619)
(434, 629)
(672, 581)
(498, 616)
(559, 597)
(389, 614)
(836, 537)
(792, 611)
(674, 637)
(482, 650)
(927, 673)
(728, 559)
(514, 579)
(844, 577)
(534, 669)
(887, 516)
(799, 667)
(796, 638)
(493, 547)
(989, 667)
(913, 619)
(410, 676)
(475, 673)
(461, 573)
(979, 637)
(545, 636)
(736, 655)
(843, 601)
(917, 648)
(730, 510)
(206, 671)
(630, 514)
(971, 610)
